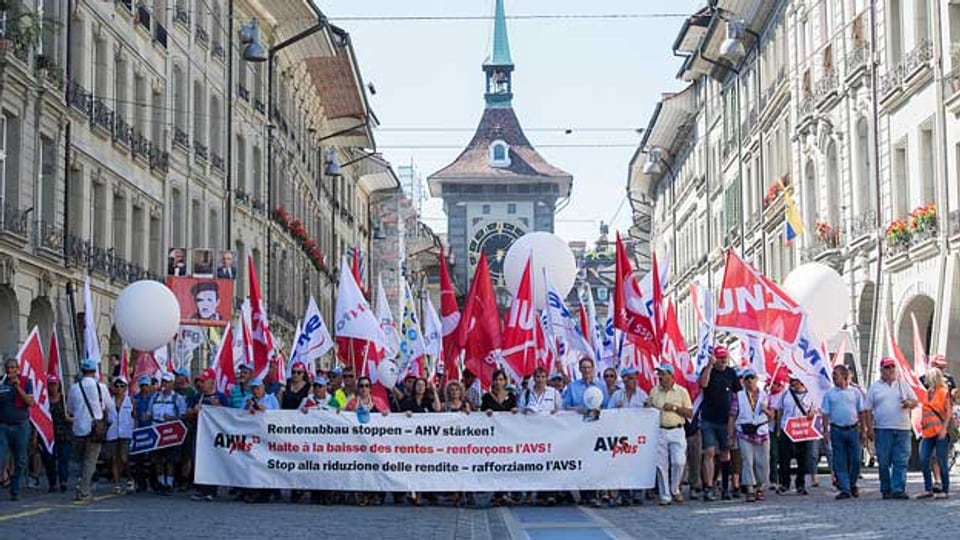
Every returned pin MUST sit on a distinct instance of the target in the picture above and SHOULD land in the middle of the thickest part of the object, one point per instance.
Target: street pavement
(790, 516)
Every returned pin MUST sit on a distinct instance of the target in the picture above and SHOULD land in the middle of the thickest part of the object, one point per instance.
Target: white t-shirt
(546, 402)
(121, 421)
(789, 409)
(619, 399)
(884, 402)
(100, 403)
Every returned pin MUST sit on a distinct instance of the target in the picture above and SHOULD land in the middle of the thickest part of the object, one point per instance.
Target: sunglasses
(297, 372)
(609, 376)
(348, 376)
(888, 367)
(364, 385)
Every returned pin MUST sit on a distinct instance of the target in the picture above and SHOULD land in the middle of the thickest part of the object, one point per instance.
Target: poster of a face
(227, 265)
(203, 262)
(177, 262)
(203, 301)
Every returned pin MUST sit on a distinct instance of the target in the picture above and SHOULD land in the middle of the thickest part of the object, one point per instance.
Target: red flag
(224, 369)
(906, 374)
(53, 358)
(752, 304)
(519, 334)
(259, 326)
(355, 269)
(629, 309)
(480, 334)
(675, 352)
(919, 356)
(30, 358)
(449, 322)
(147, 366)
(546, 351)
(585, 323)
(657, 305)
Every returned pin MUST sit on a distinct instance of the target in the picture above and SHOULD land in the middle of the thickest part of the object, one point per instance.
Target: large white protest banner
(427, 452)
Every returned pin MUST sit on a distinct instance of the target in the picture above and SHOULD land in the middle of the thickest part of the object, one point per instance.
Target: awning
(376, 174)
(289, 18)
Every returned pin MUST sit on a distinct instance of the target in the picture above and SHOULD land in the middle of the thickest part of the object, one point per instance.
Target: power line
(565, 130)
(571, 16)
(460, 147)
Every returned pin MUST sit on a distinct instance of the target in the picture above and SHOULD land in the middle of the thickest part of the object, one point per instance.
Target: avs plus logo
(235, 443)
(619, 445)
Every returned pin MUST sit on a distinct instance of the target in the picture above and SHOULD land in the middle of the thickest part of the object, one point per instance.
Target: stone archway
(9, 322)
(865, 330)
(923, 308)
(41, 316)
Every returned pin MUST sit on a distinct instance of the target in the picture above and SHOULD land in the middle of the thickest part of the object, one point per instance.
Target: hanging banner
(427, 452)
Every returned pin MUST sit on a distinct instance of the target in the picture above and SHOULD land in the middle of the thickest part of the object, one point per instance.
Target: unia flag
(450, 322)
(907, 375)
(30, 358)
(262, 338)
(224, 368)
(519, 331)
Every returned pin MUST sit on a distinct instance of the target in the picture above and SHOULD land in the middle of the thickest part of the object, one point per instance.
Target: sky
(599, 77)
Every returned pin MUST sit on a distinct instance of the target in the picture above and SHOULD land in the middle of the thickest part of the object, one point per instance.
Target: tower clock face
(494, 239)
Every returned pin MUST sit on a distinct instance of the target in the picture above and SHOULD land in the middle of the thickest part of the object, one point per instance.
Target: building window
(48, 181)
(138, 240)
(177, 218)
(486, 209)
(257, 173)
(159, 120)
(242, 164)
(810, 212)
(901, 187)
(100, 67)
(215, 119)
(120, 86)
(10, 156)
(895, 31)
(499, 154)
(179, 99)
(199, 131)
(196, 224)
(154, 257)
(99, 214)
(140, 107)
(511, 208)
(833, 187)
(214, 228)
(120, 224)
(866, 195)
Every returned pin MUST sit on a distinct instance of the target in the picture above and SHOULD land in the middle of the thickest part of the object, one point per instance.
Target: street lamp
(253, 50)
(652, 166)
(331, 163)
(732, 48)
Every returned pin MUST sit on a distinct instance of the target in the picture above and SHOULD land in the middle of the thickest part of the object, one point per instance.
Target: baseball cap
(556, 377)
(629, 371)
(207, 374)
(938, 361)
(256, 382)
(335, 372)
(143, 379)
(181, 372)
(748, 372)
(887, 361)
(118, 380)
(320, 381)
(720, 351)
(247, 367)
(300, 366)
(666, 367)
(167, 377)
(53, 379)
(88, 364)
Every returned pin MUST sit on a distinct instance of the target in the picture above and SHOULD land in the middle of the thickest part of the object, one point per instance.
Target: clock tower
(499, 188)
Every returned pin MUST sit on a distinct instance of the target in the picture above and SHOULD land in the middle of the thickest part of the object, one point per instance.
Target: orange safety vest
(935, 413)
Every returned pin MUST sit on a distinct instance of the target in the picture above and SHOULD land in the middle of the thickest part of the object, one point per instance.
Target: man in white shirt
(541, 399)
(794, 402)
(889, 402)
(87, 401)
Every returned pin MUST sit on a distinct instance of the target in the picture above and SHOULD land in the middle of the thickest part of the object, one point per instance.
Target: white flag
(354, 318)
(412, 347)
(571, 344)
(387, 324)
(313, 340)
(90, 341)
(432, 331)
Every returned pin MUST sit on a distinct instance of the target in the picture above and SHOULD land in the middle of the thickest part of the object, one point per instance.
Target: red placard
(802, 429)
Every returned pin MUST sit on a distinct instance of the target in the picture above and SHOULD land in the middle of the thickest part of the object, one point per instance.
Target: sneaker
(735, 494)
(208, 498)
(664, 502)
(842, 495)
(117, 489)
(855, 491)
(925, 495)
(802, 491)
(725, 496)
(678, 498)
(781, 490)
(941, 495)
(937, 488)
(196, 497)
(708, 495)
(886, 496)
(899, 495)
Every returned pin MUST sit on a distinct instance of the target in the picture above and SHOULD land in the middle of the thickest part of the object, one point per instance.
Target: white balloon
(388, 373)
(147, 315)
(592, 398)
(821, 292)
(549, 253)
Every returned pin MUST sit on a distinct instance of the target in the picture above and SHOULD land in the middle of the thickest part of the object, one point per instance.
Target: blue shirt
(573, 393)
(141, 409)
(239, 396)
(843, 406)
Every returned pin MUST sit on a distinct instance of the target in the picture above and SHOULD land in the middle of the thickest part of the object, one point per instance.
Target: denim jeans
(927, 448)
(845, 444)
(893, 451)
(14, 440)
(57, 465)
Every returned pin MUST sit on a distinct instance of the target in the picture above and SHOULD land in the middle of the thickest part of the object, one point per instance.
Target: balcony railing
(143, 17)
(259, 105)
(825, 86)
(200, 150)
(13, 220)
(864, 224)
(122, 131)
(79, 98)
(918, 57)
(203, 38)
(241, 197)
(258, 204)
(243, 92)
(101, 116)
(216, 162)
(217, 50)
(49, 236)
(159, 159)
(160, 35)
(891, 80)
(856, 59)
(140, 146)
(181, 16)
(181, 139)
(84, 254)
(806, 106)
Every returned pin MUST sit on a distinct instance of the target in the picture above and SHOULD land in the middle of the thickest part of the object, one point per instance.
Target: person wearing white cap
(119, 434)
(166, 406)
(319, 399)
(87, 403)
(673, 402)
(750, 419)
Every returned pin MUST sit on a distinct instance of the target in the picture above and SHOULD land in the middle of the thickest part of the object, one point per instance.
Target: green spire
(500, 56)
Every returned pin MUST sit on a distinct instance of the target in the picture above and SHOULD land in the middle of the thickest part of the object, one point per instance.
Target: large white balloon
(592, 398)
(550, 253)
(147, 315)
(388, 373)
(821, 292)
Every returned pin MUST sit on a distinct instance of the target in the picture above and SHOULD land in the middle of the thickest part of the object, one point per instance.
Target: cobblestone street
(789, 516)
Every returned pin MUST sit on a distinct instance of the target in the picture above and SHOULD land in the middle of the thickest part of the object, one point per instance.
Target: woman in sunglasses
(297, 388)
(367, 399)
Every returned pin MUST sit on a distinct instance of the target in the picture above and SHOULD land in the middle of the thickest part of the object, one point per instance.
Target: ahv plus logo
(235, 443)
(619, 445)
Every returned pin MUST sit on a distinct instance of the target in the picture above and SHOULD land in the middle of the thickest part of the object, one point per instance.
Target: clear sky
(580, 74)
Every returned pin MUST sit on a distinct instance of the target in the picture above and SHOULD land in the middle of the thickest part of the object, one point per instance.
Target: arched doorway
(922, 308)
(868, 296)
(41, 316)
(9, 322)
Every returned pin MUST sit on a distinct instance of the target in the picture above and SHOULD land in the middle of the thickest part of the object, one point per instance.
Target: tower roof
(500, 53)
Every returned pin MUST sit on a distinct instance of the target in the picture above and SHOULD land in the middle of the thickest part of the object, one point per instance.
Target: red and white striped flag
(223, 366)
(919, 357)
(31, 367)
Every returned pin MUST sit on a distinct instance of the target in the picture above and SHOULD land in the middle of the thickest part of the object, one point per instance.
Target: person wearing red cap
(889, 402)
(719, 385)
(206, 397)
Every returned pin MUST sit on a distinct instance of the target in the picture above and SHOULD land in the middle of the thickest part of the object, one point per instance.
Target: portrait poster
(203, 301)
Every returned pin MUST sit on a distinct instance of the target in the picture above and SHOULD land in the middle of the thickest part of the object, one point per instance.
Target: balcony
(181, 16)
(258, 204)
(180, 139)
(259, 105)
(160, 35)
(217, 51)
(101, 116)
(202, 37)
(243, 93)
(824, 246)
(79, 98)
(241, 197)
(856, 62)
(200, 150)
(216, 162)
(863, 226)
(140, 146)
(84, 254)
(825, 90)
(890, 82)
(122, 131)
(49, 236)
(159, 159)
(917, 59)
(143, 17)
(806, 107)
(13, 220)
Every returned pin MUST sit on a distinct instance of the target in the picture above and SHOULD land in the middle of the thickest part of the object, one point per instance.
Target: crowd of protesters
(734, 445)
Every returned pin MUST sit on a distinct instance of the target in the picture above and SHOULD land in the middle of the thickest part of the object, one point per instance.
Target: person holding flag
(16, 398)
(57, 464)
(207, 396)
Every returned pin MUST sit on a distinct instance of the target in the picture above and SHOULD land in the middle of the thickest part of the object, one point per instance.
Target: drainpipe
(868, 369)
(941, 157)
(229, 148)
